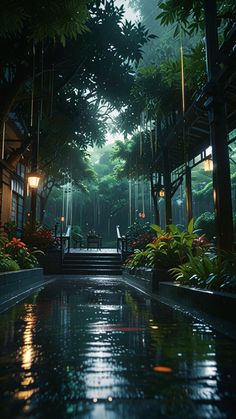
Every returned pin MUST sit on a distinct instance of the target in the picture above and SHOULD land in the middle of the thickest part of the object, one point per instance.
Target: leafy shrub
(210, 271)
(170, 249)
(7, 264)
(138, 258)
(139, 235)
(206, 223)
(10, 227)
(18, 251)
(41, 238)
(77, 229)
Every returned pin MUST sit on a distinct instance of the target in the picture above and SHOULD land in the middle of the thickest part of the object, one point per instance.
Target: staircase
(92, 264)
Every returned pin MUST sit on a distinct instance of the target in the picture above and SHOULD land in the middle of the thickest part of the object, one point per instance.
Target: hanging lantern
(33, 180)
(162, 193)
(141, 214)
(62, 218)
(208, 165)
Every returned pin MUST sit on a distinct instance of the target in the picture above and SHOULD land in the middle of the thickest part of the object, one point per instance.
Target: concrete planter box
(219, 304)
(50, 262)
(14, 284)
(146, 278)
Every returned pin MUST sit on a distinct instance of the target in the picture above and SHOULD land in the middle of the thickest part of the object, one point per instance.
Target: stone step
(91, 261)
(90, 266)
(93, 272)
(90, 256)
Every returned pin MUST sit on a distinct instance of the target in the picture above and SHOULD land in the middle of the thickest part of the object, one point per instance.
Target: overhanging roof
(190, 135)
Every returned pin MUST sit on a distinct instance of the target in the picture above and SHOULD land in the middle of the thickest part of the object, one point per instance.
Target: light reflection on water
(27, 354)
(75, 348)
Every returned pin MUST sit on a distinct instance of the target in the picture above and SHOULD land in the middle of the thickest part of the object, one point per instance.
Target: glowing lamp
(208, 165)
(62, 218)
(33, 180)
(162, 193)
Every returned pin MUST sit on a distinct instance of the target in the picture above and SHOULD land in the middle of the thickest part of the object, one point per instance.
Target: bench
(94, 242)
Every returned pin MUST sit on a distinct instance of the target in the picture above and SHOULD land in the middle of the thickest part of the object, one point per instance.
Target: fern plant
(210, 271)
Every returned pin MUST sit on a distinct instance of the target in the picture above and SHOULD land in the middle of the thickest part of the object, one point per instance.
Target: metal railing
(121, 243)
(65, 241)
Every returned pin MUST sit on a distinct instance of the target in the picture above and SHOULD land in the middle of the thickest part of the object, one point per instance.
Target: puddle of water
(97, 348)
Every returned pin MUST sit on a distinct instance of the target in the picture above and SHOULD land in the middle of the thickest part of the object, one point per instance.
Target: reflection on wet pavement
(96, 348)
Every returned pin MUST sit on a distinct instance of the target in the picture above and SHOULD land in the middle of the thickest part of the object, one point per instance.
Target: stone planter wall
(51, 262)
(146, 278)
(221, 306)
(218, 304)
(15, 284)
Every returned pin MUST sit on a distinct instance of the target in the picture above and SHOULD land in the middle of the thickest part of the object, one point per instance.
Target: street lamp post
(33, 182)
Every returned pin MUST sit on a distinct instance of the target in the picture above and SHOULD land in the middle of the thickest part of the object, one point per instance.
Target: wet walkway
(97, 348)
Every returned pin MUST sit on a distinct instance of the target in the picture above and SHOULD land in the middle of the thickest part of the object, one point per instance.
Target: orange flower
(165, 238)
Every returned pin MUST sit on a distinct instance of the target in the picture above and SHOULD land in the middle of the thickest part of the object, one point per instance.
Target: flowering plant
(169, 249)
(42, 238)
(141, 241)
(139, 234)
(19, 252)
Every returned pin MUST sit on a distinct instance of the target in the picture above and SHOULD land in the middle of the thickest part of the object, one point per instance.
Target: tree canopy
(190, 15)
(73, 87)
(43, 20)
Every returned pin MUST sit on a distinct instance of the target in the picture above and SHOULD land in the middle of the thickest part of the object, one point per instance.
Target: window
(17, 187)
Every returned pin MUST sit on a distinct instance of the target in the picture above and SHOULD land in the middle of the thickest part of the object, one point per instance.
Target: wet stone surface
(97, 348)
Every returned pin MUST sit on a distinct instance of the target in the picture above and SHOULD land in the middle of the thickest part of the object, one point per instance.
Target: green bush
(18, 251)
(10, 228)
(210, 271)
(139, 234)
(169, 249)
(206, 223)
(7, 264)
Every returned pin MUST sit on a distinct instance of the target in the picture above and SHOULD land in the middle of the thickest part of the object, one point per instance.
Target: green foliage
(10, 228)
(42, 20)
(18, 251)
(206, 223)
(170, 249)
(40, 238)
(190, 14)
(209, 271)
(139, 234)
(77, 229)
(138, 258)
(7, 264)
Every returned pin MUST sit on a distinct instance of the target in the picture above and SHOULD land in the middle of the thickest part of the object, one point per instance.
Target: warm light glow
(27, 354)
(62, 218)
(160, 368)
(162, 193)
(208, 165)
(33, 180)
